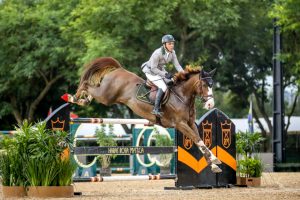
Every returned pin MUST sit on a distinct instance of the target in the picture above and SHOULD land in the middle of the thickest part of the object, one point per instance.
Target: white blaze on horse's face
(210, 103)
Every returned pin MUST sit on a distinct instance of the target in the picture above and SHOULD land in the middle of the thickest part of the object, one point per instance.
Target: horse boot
(159, 96)
(211, 159)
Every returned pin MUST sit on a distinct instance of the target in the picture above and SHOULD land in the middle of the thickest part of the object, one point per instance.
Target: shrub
(35, 157)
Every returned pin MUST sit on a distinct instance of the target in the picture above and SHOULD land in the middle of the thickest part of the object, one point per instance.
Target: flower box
(251, 181)
(50, 191)
(13, 191)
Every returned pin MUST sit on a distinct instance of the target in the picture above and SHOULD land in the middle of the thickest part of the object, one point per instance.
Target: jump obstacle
(127, 178)
(138, 164)
(8, 132)
(215, 128)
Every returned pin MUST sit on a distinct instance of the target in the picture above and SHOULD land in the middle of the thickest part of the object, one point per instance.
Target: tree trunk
(263, 113)
(43, 93)
(183, 38)
(292, 111)
(16, 112)
(266, 145)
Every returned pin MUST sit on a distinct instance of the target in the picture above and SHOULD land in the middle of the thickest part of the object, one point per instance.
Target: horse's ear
(212, 72)
(202, 74)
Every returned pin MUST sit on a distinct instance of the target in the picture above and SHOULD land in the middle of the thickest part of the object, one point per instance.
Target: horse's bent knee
(83, 102)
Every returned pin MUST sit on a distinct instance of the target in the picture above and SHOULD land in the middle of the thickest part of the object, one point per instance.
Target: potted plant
(11, 169)
(105, 140)
(163, 140)
(250, 166)
(46, 171)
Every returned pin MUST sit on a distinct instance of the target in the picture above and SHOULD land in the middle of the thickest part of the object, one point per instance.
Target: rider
(155, 69)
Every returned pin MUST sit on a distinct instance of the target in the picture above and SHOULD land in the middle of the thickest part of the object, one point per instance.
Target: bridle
(208, 80)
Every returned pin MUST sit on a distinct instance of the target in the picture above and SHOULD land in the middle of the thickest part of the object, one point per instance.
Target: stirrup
(157, 113)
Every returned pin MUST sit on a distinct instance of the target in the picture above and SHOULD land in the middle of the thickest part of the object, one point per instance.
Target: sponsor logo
(207, 133)
(187, 142)
(226, 134)
(58, 125)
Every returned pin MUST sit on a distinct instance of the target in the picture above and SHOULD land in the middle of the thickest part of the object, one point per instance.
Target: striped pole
(93, 137)
(125, 178)
(8, 132)
(121, 169)
(111, 121)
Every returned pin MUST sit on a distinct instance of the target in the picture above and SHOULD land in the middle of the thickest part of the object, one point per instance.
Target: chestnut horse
(108, 83)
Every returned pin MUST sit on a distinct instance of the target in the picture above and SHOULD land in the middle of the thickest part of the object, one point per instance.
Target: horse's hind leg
(192, 133)
(83, 100)
(82, 96)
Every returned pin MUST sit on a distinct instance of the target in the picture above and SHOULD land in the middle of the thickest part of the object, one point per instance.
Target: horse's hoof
(215, 168)
(215, 160)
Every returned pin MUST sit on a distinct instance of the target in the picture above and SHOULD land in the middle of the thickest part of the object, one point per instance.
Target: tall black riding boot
(159, 96)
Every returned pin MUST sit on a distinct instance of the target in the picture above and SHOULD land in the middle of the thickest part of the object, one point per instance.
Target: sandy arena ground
(274, 186)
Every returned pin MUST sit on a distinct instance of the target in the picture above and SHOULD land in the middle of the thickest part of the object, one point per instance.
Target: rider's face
(170, 46)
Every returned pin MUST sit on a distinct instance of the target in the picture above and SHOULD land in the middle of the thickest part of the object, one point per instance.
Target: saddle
(147, 93)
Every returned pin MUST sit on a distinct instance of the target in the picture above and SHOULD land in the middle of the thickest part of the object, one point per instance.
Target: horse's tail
(94, 73)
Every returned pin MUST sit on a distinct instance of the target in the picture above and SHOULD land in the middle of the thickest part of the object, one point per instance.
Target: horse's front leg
(192, 133)
(203, 148)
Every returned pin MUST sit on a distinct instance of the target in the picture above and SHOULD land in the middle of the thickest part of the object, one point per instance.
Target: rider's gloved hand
(169, 75)
(169, 82)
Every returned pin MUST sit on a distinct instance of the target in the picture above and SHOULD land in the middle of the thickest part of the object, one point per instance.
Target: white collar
(166, 50)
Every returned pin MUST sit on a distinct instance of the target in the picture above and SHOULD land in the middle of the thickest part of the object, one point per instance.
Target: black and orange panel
(59, 119)
(218, 133)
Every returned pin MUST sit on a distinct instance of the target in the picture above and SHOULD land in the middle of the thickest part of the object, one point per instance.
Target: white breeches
(158, 81)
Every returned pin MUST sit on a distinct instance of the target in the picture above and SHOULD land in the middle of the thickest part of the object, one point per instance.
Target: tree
(33, 56)
(287, 17)
(130, 30)
(58, 38)
(243, 56)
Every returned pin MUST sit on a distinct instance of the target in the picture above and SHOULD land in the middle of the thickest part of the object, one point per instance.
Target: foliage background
(44, 46)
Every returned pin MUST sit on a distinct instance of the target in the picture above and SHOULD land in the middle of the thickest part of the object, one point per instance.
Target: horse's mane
(185, 74)
(95, 70)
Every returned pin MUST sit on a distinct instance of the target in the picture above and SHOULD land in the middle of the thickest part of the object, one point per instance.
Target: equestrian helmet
(167, 38)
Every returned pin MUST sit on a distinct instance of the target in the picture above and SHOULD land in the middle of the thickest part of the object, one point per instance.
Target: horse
(106, 81)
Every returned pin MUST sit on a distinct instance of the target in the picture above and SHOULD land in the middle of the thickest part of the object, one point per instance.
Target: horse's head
(205, 88)
(197, 82)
